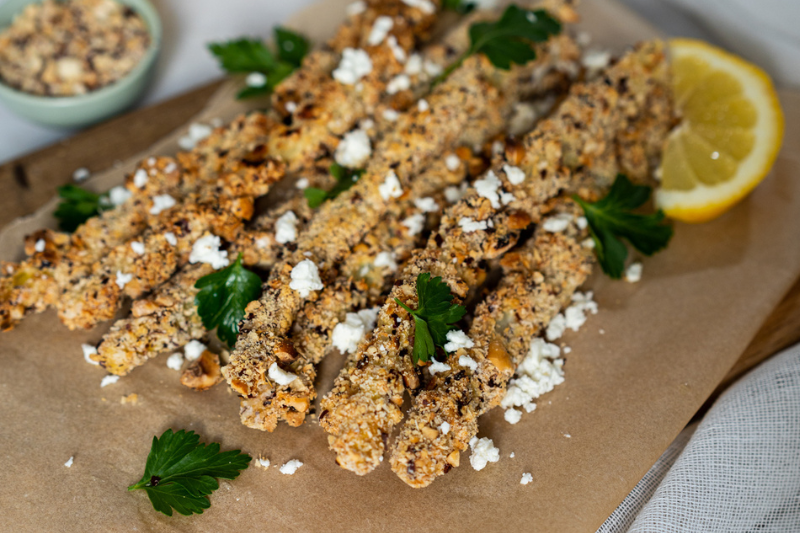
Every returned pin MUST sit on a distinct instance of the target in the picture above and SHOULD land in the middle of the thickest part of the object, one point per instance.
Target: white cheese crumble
(453, 194)
(256, 79)
(197, 132)
(206, 250)
(575, 314)
(81, 174)
(194, 349)
(262, 462)
(515, 175)
(444, 428)
(170, 168)
(286, 228)
(468, 225)
(305, 278)
(123, 279)
(175, 361)
(161, 202)
(302, 183)
(291, 467)
(468, 362)
(426, 204)
(452, 162)
(170, 238)
(137, 247)
(512, 455)
(457, 339)
(290, 106)
(380, 29)
(432, 69)
(483, 452)
(39, 245)
(557, 223)
(488, 188)
(556, 327)
(140, 178)
(390, 188)
(422, 105)
(401, 82)
(386, 259)
(397, 50)
(391, 115)
(596, 60)
(539, 373)
(437, 367)
(88, 352)
(354, 149)
(346, 335)
(414, 223)
(355, 64)
(526, 478)
(356, 8)
(414, 65)
(512, 416)
(109, 380)
(632, 274)
(69, 462)
(426, 6)
(280, 376)
(118, 195)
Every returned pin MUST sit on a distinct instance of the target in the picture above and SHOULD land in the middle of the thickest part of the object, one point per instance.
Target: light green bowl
(82, 110)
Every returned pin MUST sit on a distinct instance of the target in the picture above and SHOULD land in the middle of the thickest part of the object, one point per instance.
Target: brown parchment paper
(638, 371)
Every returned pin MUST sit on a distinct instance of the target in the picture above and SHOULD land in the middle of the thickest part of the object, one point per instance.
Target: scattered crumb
(602, 331)
(81, 174)
(512, 455)
(109, 380)
(68, 464)
(262, 462)
(526, 478)
(291, 467)
(132, 399)
(567, 435)
(634, 273)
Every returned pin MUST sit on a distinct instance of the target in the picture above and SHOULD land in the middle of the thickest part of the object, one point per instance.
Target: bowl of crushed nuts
(71, 63)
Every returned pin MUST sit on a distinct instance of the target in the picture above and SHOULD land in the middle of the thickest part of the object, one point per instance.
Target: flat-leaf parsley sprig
(78, 205)
(508, 40)
(223, 297)
(253, 56)
(345, 178)
(181, 473)
(435, 315)
(611, 219)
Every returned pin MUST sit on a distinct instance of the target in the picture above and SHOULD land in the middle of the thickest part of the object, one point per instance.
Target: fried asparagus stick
(575, 150)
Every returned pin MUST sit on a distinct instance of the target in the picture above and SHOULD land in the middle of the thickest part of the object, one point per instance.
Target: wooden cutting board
(31, 180)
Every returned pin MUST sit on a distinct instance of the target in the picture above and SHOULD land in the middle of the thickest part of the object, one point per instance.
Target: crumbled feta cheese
(123, 279)
(397, 50)
(588, 243)
(526, 478)
(286, 228)
(302, 183)
(390, 188)
(529, 407)
(453, 194)
(290, 106)
(483, 453)
(386, 259)
(81, 174)
(632, 275)
(366, 124)
(263, 462)
(355, 64)
(468, 225)
(280, 376)
(291, 467)
(109, 380)
(88, 352)
(39, 245)
(401, 82)
(515, 175)
(137, 247)
(380, 29)
(391, 115)
(575, 314)
(422, 105)
(414, 65)
(457, 339)
(356, 8)
(512, 416)
(557, 223)
(206, 250)
(556, 327)
(256, 79)
(444, 428)
(596, 60)
(432, 69)
(468, 362)
(140, 178)
(354, 149)
(414, 223)
(305, 278)
(197, 132)
(506, 197)
(69, 462)
(170, 238)
(118, 195)
(581, 222)
(426, 6)
(436, 367)
(175, 361)
(194, 349)
(539, 373)
(426, 204)
(346, 335)
(161, 202)
(658, 173)
(567, 349)
(488, 188)
(452, 162)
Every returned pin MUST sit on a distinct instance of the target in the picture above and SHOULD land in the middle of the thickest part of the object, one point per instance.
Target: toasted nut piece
(143, 308)
(515, 151)
(285, 352)
(499, 357)
(518, 220)
(294, 418)
(298, 404)
(429, 432)
(454, 458)
(202, 373)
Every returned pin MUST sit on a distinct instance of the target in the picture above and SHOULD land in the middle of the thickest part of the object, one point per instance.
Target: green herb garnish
(252, 55)
(181, 473)
(78, 205)
(345, 178)
(509, 40)
(435, 315)
(611, 219)
(223, 296)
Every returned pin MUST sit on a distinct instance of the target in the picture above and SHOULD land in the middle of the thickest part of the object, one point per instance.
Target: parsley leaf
(78, 205)
(459, 6)
(252, 55)
(434, 317)
(345, 178)
(223, 296)
(611, 219)
(180, 472)
(509, 40)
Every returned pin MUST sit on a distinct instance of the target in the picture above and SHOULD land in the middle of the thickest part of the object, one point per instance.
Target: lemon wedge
(729, 135)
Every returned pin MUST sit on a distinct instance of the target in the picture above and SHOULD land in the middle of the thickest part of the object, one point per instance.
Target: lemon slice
(730, 132)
